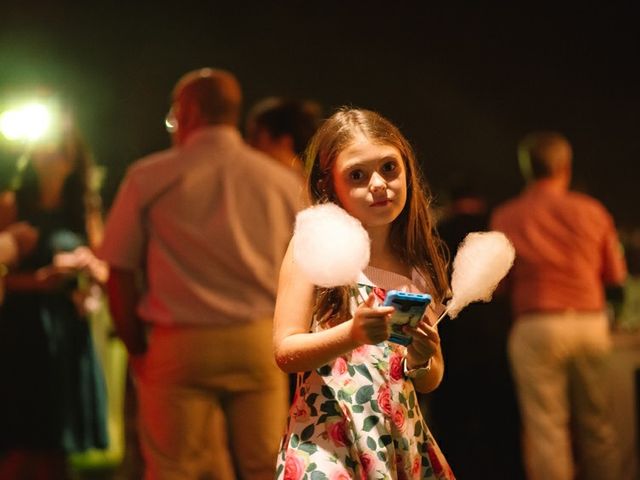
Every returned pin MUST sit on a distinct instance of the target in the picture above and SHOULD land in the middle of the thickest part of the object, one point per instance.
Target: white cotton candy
(483, 259)
(330, 246)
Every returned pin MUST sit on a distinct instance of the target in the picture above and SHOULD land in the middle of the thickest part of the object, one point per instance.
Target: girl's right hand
(371, 324)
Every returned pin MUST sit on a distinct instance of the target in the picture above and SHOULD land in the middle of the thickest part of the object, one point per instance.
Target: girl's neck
(382, 255)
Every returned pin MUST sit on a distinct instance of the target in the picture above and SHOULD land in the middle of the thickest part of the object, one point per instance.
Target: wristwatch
(416, 371)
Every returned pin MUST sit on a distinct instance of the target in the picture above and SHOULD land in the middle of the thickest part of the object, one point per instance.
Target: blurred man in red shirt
(567, 251)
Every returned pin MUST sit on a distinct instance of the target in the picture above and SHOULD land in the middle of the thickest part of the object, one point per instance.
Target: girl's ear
(326, 195)
(321, 185)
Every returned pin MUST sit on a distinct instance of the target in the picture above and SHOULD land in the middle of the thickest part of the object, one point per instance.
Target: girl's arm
(432, 378)
(425, 349)
(298, 350)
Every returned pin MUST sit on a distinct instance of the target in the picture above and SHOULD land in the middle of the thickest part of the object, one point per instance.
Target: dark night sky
(464, 84)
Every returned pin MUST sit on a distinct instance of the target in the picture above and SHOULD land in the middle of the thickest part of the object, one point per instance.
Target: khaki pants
(194, 382)
(558, 362)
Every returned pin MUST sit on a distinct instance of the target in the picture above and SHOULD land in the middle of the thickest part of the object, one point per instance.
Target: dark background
(463, 83)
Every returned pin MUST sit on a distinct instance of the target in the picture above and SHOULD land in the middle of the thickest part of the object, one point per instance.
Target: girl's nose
(377, 183)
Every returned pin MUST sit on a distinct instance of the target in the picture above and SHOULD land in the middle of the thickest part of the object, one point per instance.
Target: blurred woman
(52, 394)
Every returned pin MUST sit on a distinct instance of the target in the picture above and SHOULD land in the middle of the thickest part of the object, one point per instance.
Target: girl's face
(370, 182)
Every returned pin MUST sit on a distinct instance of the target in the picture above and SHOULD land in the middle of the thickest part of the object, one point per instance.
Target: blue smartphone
(410, 308)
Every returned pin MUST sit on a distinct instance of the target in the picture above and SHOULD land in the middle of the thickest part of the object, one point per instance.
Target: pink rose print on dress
(368, 462)
(384, 400)
(396, 371)
(416, 467)
(294, 466)
(339, 367)
(339, 474)
(360, 354)
(380, 293)
(349, 386)
(337, 431)
(398, 418)
(300, 411)
(435, 461)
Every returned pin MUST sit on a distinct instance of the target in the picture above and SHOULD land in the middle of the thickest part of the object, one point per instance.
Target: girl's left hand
(424, 345)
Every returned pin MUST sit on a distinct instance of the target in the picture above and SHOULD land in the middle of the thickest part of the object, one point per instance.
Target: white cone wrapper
(483, 259)
(330, 246)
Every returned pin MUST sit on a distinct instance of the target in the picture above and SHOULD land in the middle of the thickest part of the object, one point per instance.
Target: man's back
(218, 217)
(566, 249)
(207, 224)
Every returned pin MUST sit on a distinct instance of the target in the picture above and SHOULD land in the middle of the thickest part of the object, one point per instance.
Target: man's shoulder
(265, 167)
(584, 200)
(152, 161)
(152, 173)
(587, 205)
(511, 206)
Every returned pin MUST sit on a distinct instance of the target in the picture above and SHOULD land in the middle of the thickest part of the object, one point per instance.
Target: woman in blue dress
(52, 393)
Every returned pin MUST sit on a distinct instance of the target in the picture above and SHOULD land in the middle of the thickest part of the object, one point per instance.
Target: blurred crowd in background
(51, 228)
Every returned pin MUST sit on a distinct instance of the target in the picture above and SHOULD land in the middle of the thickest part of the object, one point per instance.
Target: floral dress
(358, 416)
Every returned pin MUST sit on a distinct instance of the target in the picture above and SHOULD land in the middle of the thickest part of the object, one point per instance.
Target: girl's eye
(356, 175)
(389, 167)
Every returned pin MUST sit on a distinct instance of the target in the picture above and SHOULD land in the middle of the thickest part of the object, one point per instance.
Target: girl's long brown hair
(413, 235)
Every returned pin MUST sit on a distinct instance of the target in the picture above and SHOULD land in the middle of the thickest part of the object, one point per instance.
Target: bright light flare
(29, 122)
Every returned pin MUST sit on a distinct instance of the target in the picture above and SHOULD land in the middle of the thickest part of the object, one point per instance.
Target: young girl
(355, 413)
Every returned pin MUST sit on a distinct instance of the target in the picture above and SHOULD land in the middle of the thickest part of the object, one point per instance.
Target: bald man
(206, 223)
(567, 251)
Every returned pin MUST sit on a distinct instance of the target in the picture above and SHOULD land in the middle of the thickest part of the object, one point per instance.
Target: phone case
(410, 308)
